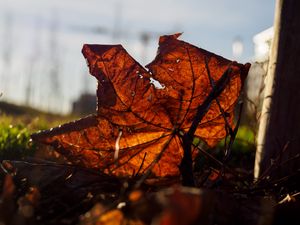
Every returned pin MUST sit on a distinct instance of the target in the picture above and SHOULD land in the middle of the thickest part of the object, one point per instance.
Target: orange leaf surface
(138, 127)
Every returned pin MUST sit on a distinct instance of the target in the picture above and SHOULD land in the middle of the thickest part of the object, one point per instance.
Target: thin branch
(212, 83)
(153, 163)
(233, 135)
(204, 107)
(186, 166)
(273, 165)
(141, 166)
(228, 128)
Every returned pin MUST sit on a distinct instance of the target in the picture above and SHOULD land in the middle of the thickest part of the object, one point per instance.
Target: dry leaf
(139, 127)
(98, 215)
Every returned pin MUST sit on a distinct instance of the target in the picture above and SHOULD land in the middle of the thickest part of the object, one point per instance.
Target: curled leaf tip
(164, 38)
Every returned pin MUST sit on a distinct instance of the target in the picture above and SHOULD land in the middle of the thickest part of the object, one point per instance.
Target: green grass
(241, 155)
(244, 141)
(14, 141)
(15, 133)
(17, 123)
(243, 149)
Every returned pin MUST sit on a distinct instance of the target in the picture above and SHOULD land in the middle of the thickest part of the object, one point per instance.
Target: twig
(141, 166)
(233, 135)
(153, 163)
(271, 167)
(221, 164)
(186, 167)
(232, 132)
(212, 83)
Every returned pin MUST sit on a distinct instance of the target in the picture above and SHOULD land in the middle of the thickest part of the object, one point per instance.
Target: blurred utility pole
(117, 31)
(145, 39)
(55, 95)
(278, 147)
(7, 50)
(33, 61)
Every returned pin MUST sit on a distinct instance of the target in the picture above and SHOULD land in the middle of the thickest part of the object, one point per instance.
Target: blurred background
(41, 64)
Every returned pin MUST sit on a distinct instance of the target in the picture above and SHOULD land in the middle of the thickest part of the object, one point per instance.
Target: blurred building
(86, 104)
(259, 68)
(262, 43)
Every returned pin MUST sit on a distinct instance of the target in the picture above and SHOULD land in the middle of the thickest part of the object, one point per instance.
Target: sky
(40, 56)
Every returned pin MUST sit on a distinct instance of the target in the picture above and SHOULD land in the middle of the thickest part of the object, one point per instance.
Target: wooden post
(278, 144)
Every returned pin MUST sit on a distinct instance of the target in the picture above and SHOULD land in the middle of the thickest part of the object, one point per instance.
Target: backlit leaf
(138, 127)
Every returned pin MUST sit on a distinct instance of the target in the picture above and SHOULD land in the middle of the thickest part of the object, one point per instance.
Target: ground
(39, 186)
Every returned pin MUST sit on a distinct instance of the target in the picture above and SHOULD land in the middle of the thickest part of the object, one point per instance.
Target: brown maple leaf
(139, 127)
